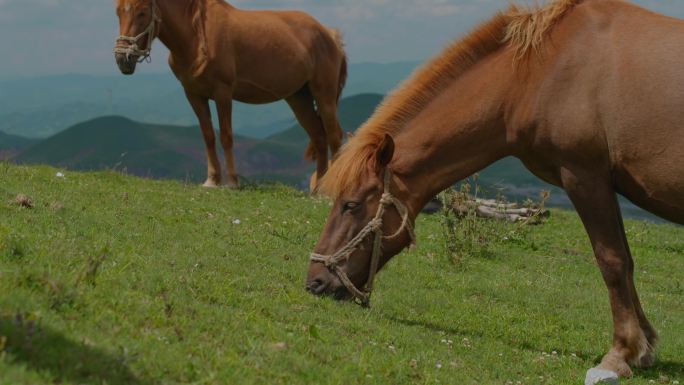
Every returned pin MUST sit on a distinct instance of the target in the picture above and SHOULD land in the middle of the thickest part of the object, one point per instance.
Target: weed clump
(470, 229)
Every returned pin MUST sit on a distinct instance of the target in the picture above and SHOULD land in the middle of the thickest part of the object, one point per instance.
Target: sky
(47, 37)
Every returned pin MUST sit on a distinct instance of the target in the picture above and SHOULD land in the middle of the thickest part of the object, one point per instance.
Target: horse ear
(385, 152)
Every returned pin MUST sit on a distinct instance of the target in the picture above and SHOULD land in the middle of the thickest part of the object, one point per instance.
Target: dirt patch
(23, 201)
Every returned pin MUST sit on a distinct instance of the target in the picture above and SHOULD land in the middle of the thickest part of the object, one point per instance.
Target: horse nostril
(316, 286)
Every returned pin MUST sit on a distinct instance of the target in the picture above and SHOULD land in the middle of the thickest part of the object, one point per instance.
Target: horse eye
(349, 206)
(141, 15)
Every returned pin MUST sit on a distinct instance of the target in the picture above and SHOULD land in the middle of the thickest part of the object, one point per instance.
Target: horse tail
(310, 153)
(342, 79)
(343, 75)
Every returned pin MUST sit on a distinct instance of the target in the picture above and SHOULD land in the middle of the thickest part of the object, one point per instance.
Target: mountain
(44, 106)
(11, 145)
(168, 151)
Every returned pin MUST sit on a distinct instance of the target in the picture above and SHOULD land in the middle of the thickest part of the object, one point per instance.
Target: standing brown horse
(222, 53)
(588, 94)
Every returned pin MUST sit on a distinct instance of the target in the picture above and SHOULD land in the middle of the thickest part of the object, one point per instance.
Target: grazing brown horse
(222, 53)
(588, 94)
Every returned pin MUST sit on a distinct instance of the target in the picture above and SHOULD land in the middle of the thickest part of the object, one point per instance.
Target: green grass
(112, 280)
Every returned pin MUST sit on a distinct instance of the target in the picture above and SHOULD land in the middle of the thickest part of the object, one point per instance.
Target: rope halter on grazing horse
(332, 262)
(132, 49)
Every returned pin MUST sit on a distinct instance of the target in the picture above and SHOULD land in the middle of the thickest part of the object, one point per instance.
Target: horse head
(353, 246)
(138, 26)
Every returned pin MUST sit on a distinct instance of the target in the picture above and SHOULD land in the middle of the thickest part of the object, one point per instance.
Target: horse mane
(198, 11)
(528, 27)
(523, 29)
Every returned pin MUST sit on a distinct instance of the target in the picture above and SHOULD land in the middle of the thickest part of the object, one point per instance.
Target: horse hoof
(613, 362)
(210, 184)
(648, 360)
(596, 376)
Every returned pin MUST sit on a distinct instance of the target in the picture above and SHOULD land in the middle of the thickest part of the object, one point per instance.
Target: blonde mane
(198, 10)
(523, 29)
(528, 27)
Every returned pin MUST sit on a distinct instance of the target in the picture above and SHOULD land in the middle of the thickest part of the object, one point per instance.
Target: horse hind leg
(333, 129)
(596, 203)
(302, 104)
(326, 91)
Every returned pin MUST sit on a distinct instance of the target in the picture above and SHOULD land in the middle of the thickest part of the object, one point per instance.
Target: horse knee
(227, 141)
(209, 137)
(614, 266)
(210, 142)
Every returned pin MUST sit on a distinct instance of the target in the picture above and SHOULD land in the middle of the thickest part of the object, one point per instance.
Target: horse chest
(193, 84)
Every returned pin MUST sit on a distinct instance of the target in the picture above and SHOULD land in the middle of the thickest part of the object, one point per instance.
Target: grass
(113, 280)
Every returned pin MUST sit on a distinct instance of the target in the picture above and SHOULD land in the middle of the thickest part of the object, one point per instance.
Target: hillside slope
(11, 145)
(164, 151)
(124, 281)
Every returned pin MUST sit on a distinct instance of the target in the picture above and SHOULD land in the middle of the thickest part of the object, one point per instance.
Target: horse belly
(246, 92)
(267, 85)
(656, 185)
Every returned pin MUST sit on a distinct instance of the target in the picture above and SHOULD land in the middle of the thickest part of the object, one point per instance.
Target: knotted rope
(332, 262)
(132, 49)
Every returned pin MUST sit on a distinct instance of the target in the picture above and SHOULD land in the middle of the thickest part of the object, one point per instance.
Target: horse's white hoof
(596, 376)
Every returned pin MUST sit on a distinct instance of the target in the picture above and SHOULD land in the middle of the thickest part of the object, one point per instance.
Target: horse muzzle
(324, 283)
(126, 63)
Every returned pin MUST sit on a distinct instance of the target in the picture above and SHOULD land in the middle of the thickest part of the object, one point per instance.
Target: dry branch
(489, 208)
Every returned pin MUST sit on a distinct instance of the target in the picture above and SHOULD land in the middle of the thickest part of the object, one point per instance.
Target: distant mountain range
(11, 145)
(42, 107)
(168, 151)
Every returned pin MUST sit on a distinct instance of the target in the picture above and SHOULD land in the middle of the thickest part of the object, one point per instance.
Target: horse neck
(176, 30)
(459, 133)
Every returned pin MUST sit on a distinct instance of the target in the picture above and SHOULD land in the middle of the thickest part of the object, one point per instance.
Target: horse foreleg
(224, 106)
(648, 359)
(596, 202)
(201, 107)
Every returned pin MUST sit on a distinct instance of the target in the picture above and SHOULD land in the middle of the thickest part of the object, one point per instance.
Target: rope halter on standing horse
(332, 262)
(132, 49)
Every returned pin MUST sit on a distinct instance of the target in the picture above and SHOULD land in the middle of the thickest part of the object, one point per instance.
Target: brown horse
(588, 94)
(222, 53)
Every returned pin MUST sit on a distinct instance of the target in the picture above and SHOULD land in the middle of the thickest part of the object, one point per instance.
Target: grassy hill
(11, 145)
(114, 142)
(178, 152)
(119, 280)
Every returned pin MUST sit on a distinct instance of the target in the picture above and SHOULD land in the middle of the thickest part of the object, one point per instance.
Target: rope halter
(132, 49)
(332, 262)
